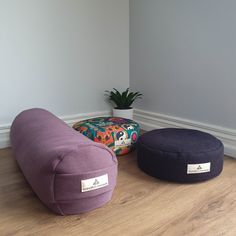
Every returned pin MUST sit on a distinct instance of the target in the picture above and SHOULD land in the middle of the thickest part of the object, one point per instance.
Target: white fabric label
(122, 143)
(94, 183)
(199, 168)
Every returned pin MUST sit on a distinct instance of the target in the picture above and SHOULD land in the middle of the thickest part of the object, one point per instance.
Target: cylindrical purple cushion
(56, 160)
(180, 155)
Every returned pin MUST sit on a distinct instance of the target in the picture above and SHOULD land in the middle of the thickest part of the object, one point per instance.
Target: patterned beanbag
(117, 133)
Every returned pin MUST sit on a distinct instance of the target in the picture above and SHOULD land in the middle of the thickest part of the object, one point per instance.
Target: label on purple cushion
(94, 183)
(198, 168)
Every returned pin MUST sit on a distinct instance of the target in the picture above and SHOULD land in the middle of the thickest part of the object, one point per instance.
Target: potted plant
(123, 102)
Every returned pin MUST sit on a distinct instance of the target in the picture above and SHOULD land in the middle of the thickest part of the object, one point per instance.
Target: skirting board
(70, 120)
(150, 120)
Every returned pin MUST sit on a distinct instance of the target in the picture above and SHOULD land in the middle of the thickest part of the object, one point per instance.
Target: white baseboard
(4, 136)
(69, 119)
(150, 120)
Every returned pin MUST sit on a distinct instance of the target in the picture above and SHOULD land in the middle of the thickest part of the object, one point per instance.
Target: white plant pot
(124, 113)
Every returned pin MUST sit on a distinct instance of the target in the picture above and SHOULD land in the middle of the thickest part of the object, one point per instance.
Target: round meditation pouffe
(117, 133)
(180, 155)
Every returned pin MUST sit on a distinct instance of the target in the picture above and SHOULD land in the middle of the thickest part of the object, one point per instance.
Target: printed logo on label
(94, 183)
(198, 168)
(122, 143)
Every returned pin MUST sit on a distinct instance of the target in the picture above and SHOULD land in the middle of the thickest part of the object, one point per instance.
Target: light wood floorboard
(141, 205)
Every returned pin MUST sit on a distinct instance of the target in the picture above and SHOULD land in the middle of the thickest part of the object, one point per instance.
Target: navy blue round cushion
(180, 155)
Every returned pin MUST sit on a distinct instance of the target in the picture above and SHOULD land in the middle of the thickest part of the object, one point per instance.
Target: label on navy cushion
(94, 183)
(121, 143)
(199, 168)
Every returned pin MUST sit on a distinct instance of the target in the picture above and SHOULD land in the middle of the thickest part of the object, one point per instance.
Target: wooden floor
(141, 205)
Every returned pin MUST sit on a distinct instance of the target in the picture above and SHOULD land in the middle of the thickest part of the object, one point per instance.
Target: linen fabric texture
(180, 155)
(54, 159)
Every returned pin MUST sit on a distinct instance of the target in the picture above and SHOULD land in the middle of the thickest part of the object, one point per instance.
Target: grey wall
(61, 54)
(183, 58)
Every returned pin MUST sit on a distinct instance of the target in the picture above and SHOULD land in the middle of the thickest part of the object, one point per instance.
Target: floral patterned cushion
(117, 133)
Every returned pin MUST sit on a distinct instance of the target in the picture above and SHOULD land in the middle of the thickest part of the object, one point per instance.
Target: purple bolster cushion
(68, 172)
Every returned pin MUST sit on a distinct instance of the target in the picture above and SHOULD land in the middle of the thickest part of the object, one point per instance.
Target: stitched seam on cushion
(86, 145)
(109, 150)
(100, 145)
(88, 172)
(62, 158)
(110, 188)
(62, 201)
(57, 205)
(55, 202)
(221, 145)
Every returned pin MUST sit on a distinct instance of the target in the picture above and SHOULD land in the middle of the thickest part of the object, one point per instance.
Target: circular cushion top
(180, 155)
(180, 140)
(117, 133)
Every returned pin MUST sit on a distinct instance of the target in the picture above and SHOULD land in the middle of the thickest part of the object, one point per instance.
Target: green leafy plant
(122, 100)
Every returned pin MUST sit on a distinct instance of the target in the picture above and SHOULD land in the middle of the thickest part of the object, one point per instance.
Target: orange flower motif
(105, 138)
(114, 128)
